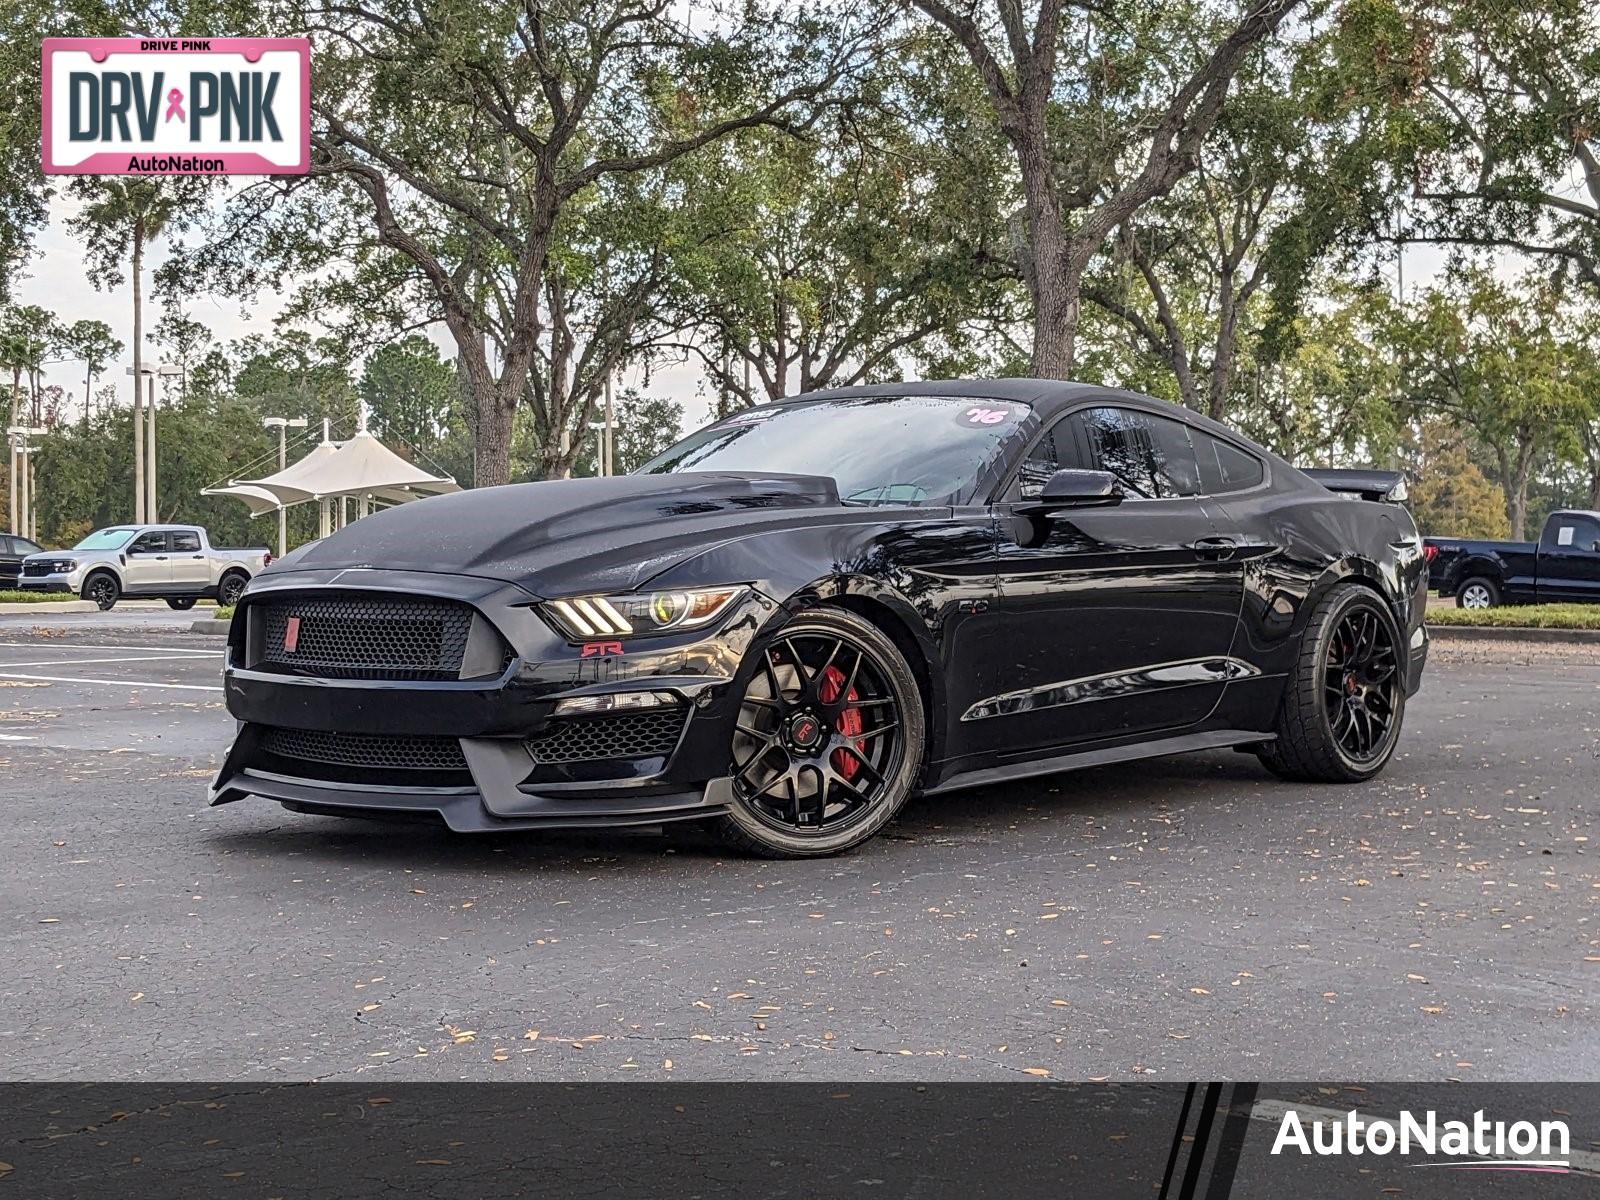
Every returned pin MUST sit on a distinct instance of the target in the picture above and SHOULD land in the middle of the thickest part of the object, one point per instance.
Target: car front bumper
(496, 723)
(68, 582)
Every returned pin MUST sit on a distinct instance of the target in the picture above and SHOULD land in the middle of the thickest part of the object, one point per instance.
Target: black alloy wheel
(230, 589)
(828, 739)
(102, 591)
(1362, 684)
(1344, 702)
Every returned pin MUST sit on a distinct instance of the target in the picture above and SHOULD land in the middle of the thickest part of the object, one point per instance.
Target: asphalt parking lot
(1178, 919)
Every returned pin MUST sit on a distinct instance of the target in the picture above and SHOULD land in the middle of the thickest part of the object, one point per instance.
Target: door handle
(161, 558)
(197, 556)
(1219, 548)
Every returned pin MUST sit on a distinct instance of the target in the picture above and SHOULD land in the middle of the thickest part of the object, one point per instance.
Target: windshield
(107, 539)
(878, 449)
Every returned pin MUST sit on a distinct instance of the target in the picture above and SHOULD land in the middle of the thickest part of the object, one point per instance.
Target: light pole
(283, 425)
(23, 520)
(600, 465)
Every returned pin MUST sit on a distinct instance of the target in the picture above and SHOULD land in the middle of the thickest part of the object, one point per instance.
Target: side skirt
(1215, 740)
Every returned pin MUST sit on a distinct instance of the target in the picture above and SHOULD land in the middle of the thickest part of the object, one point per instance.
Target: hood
(569, 534)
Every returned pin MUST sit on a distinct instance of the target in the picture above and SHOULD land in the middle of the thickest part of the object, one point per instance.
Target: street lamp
(283, 425)
(601, 466)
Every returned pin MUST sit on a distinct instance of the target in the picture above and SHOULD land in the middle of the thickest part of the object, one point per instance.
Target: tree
(27, 335)
(118, 220)
(93, 342)
(1498, 116)
(1122, 106)
(409, 393)
(1449, 495)
(644, 427)
(529, 107)
(838, 258)
(1498, 360)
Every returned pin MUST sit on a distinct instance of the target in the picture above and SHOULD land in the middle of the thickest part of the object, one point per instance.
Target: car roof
(1048, 397)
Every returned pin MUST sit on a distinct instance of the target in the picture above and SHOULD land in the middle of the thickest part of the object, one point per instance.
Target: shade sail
(362, 466)
(259, 499)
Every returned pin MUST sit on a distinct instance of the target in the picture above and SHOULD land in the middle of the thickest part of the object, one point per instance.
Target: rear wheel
(181, 603)
(828, 741)
(231, 588)
(1344, 704)
(102, 590)
(1478, 593)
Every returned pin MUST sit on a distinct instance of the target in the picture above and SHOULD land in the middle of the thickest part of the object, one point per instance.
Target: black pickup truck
(1561, 567)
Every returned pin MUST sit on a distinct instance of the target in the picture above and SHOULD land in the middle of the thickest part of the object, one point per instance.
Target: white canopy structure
(362, 468)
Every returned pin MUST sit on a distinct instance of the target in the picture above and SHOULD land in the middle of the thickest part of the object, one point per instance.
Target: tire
(181, 603)
(1341, 714)
(231, 588)
(102, 589)
(1478, 592)
(828, 741)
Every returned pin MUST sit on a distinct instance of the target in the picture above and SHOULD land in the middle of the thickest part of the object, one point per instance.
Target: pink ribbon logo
(175, 105)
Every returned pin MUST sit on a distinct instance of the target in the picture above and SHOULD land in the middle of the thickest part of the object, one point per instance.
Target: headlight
(62, 567)
(648, 612)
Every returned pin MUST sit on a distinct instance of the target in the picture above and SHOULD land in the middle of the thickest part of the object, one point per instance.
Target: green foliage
(410, 394)
(1521, 616)
(645, 426)
(1450, 497)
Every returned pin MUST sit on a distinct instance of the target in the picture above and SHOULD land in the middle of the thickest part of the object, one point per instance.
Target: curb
(22, 608)
(1514, 633)
(211, 625)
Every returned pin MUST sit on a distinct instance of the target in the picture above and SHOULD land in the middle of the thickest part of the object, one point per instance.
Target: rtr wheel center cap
(805, 731)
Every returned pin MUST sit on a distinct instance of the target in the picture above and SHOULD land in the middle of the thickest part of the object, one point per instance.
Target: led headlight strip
(653, 612)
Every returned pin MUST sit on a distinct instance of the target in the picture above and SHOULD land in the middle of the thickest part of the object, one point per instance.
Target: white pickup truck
(175, 563)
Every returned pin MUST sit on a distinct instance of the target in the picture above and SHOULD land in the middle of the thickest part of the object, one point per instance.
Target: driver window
(150, 543)
(1042, 462)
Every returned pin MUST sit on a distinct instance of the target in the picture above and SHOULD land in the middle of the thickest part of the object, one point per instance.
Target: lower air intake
(650, 733)
(377, 751)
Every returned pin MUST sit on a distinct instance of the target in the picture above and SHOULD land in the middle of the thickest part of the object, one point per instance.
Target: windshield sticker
(980, 416)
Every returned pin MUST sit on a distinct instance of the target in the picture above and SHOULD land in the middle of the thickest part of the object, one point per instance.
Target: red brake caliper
(849, 720)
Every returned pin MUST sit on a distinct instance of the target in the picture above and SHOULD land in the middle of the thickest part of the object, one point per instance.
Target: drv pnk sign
(177, 106)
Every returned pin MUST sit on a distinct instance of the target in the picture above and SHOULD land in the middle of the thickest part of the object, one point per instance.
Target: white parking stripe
(83, 646)
(1582, 1162)
(74, 662)
(186, 687)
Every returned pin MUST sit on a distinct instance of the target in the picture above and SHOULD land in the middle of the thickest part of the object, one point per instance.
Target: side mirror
(1072, 488)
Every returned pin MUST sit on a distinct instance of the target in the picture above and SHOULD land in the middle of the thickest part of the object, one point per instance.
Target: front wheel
(102, 591)
(1478, 593)
(1344, 702)
(230, 589)
(828, 741)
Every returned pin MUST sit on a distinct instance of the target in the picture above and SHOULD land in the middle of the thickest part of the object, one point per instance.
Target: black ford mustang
(797, 617)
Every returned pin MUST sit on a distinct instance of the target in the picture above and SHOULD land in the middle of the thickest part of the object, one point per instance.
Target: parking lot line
(186, 687)
(34, 645)
(74, 662)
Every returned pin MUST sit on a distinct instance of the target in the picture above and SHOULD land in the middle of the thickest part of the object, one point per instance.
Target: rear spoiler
(1363, 482)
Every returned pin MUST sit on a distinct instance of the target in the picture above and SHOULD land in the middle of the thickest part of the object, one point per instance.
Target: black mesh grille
(373, 636)
(644, 734)
(406, 752)
(36, 568)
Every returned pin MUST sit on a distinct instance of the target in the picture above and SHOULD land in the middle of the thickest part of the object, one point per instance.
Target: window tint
(1225, 468)
(185, 543)
(24, 546)
(1043, 461)
(150, 543)
(1151, 455)
(6, 548)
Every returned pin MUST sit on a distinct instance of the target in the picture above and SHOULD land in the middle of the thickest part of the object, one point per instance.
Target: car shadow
(970, 814)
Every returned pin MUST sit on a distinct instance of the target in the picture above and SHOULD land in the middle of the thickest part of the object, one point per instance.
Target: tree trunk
(1054, 283)
(138, 372)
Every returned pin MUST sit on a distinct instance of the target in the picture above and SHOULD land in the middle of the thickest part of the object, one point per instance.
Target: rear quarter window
(1224, 467)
